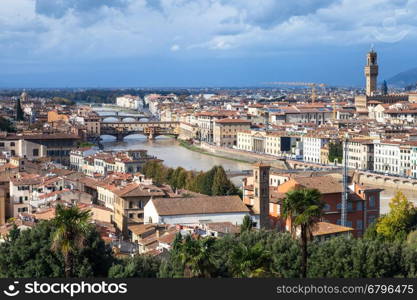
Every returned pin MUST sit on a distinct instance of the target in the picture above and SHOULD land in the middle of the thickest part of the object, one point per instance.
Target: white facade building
(312, 148)
(388, 157)
(361, 154)
(129, 101)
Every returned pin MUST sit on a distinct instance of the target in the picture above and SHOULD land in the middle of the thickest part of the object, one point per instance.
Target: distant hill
(404, 79)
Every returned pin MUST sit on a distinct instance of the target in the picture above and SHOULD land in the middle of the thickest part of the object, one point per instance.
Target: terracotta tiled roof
(168, 237)
(233, 121)
(324, 228)
(325, 184)
(141, 228)
(138, 190)
(199, 205)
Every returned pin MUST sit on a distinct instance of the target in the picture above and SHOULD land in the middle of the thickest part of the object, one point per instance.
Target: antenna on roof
(345, 192)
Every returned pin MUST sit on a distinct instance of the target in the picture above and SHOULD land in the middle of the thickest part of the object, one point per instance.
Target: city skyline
(138, 43)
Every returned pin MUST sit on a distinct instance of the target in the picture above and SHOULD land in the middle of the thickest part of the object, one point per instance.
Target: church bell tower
(261, 193)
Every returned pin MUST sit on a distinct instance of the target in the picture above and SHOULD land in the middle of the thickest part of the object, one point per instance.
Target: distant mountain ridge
(404, 79)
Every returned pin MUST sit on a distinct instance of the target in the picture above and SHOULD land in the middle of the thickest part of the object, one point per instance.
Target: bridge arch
(109, 119)
(128, 119)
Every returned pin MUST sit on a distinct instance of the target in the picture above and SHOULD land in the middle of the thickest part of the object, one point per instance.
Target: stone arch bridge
(149, 129)
(121, 118)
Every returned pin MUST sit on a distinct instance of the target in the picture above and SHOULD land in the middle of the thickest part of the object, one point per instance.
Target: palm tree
(71, 229)
(196, 256)
(250, 261)
(304, 208)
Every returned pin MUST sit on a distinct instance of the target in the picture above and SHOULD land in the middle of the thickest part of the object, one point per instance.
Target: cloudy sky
(109, 43)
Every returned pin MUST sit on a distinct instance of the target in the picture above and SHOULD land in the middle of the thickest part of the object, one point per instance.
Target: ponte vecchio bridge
(121, 118)
(151, 129)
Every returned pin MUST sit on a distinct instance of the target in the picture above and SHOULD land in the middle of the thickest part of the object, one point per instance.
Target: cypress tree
(384, 88)
(221, 184)
(19, 111)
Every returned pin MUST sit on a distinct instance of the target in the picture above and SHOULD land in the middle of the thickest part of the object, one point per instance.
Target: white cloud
(175, 47)
(57, 29)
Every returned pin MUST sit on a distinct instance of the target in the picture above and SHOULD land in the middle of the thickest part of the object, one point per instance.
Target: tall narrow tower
(261, 193)
(371, 72)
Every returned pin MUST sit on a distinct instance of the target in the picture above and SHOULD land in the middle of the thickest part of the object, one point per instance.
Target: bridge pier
(119, 137)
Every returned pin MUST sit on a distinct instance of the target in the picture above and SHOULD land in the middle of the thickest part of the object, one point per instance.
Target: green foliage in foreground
(269, 254)
(213, 182)
(28, 254)
(252, 254)
(142, 266)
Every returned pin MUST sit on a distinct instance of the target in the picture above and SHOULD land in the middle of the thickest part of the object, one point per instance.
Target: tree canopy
(399, 221)
(336, 151)
(28, 253)
(6, 125)
(213, 182)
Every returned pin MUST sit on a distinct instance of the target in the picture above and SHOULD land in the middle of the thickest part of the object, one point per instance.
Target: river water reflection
(174, 155)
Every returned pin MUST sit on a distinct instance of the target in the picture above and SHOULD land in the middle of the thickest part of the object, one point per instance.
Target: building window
(372, 201)
(326, 207)
(35, 152)
(359, 206)
(22, 209)
(359, 224)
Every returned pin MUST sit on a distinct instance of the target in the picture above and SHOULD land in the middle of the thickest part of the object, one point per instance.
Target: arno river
(174, 155)
(169, 150)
